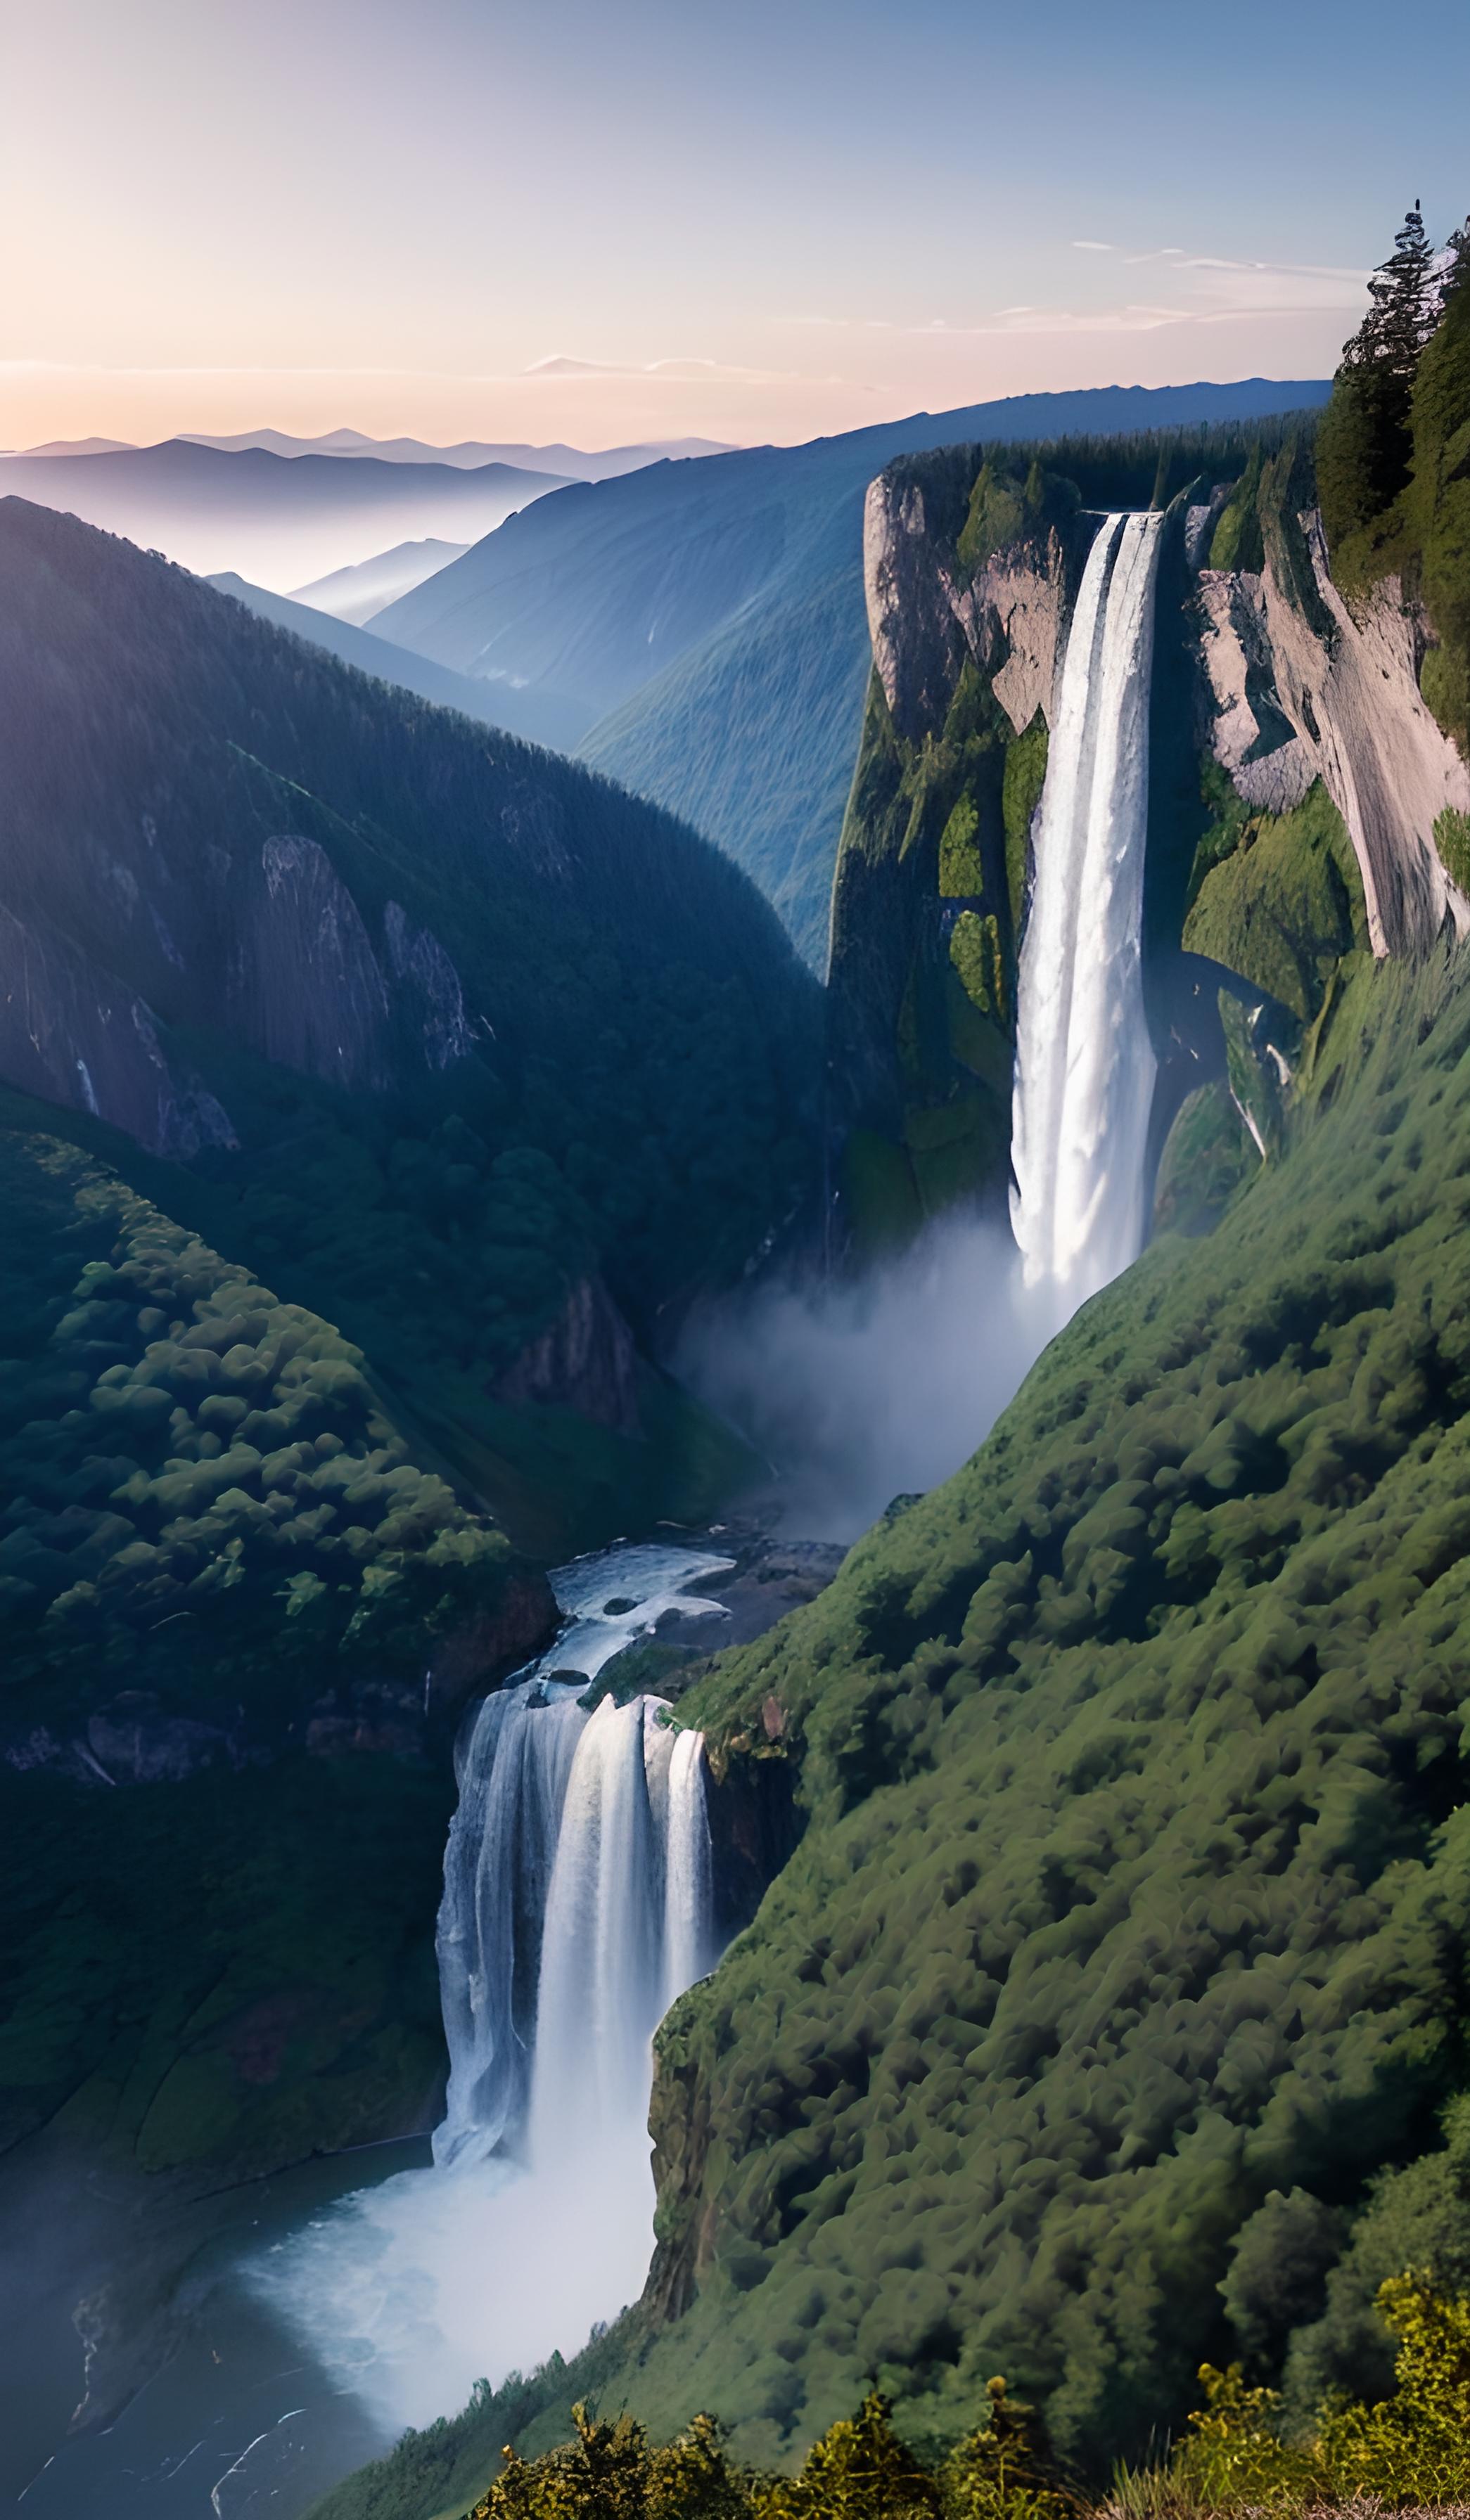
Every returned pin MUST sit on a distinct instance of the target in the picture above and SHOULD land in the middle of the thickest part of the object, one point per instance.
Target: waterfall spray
(577, 1905)
(1085, 1064)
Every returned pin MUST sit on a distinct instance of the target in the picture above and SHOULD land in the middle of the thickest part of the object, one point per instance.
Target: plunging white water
(577, 1905)
(1085, 1065)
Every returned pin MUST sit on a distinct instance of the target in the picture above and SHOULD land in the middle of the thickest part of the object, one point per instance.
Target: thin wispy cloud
(1203, 288)
(671, 372)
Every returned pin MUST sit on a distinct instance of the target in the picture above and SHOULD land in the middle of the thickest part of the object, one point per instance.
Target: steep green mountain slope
(707, 620)
(1133, 1759)
(450, 1040)
(223, 1561)
(1134, 1890)
(750, 738)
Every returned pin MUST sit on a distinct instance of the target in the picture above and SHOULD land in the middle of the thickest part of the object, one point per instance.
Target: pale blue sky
(755, 220)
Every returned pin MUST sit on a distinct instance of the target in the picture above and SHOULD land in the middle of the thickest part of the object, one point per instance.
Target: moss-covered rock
(1278, 897)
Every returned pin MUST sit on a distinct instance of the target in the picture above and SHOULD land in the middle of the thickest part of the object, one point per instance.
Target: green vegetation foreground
(1410, 2450)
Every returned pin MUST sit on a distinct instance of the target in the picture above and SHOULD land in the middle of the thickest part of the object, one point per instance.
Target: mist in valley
(861, 1389)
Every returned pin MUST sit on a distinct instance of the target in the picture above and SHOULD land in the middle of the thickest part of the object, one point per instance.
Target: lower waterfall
(577, 1905)
(1085, 1064)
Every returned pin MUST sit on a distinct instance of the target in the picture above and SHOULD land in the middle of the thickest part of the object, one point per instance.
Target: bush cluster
(860, 2469)
(1411, 2448)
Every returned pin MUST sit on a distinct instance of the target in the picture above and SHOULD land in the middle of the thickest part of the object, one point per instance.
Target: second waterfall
(1085, 1064)
(577, 1905)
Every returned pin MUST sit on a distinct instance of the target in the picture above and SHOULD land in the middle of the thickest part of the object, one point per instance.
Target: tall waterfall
(1085, 1065)
(577, 1904)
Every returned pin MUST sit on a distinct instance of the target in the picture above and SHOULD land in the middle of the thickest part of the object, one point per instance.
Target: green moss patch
(1280, 898)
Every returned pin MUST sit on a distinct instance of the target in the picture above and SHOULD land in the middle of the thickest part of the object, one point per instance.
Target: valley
(733, 1538)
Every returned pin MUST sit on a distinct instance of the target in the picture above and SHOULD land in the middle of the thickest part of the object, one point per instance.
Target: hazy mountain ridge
(269, 516)
(355, 594)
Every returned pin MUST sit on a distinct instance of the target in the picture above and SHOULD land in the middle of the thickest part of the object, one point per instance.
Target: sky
(608, 220)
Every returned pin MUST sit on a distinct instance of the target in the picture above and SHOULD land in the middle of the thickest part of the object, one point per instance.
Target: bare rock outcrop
(583, 1360)
(1293, 704)
(924, 617)
(429, 987)
(301, 982)
(305, 985)
(73, 1034)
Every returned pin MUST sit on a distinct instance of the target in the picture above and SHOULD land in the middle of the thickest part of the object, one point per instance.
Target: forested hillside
(371, 1086)
(222, 1560)
(1125, 1946)
(450, 1040)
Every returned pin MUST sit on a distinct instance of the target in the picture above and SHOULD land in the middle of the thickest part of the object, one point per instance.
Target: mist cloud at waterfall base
(409, 2292)
(864, 1389)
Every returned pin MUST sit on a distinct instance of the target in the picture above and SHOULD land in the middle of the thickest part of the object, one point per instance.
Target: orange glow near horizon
(888, 375)
(606, 224)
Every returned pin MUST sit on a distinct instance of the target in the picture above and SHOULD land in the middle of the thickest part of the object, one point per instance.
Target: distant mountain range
(280, 521)
(355, 594)
(573, 462)
(702, 626)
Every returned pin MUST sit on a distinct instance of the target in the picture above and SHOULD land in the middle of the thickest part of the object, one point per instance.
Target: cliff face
(272, 949)
(1298, 782)
(930, 892)
(1333, 694)
(927, 613)
(583, 1360)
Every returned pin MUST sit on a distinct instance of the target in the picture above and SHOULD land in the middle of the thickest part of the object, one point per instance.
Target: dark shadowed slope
(448, 1038)
(706, 623)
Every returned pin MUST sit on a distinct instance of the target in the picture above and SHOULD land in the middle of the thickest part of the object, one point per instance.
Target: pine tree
(1366, 442)
(1402, 316)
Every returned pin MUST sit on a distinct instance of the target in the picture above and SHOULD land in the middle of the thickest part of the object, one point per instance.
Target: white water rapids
(577, 1905)
(1085, 1064)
